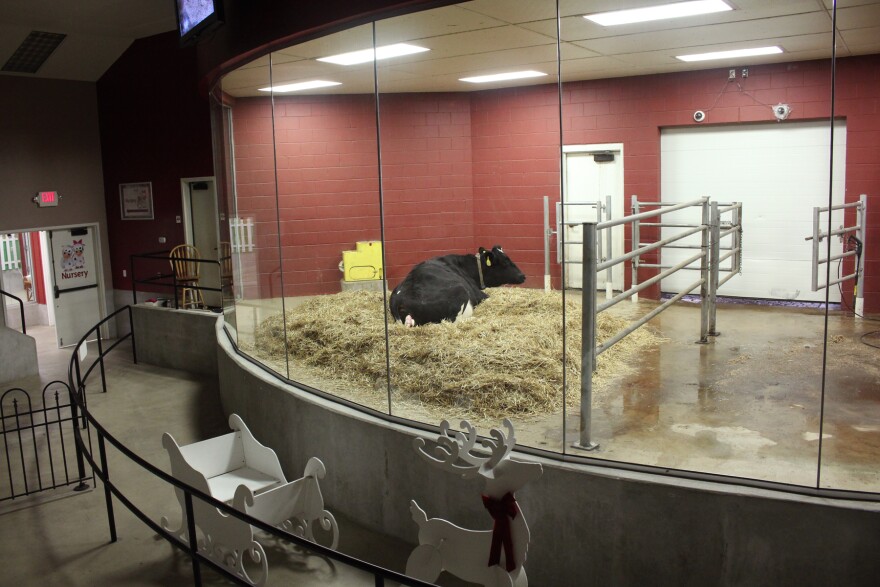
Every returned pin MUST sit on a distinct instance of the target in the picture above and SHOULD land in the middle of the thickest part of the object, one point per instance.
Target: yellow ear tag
(488, 262)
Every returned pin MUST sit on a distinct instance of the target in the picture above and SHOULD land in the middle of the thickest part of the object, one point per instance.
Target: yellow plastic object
(364, 263)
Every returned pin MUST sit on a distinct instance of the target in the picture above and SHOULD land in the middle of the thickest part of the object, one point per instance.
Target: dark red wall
(154, 126)
(470, 169)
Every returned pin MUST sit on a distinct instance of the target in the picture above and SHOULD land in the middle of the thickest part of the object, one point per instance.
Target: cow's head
(498, 269)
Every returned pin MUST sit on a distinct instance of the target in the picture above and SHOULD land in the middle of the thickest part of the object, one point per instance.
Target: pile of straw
(505, 360)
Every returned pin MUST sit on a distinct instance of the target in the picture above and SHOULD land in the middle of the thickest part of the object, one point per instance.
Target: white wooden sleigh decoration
(237, 469)
(490, 557)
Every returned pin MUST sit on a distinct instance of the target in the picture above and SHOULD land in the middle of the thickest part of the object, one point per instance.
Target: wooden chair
(186, 270)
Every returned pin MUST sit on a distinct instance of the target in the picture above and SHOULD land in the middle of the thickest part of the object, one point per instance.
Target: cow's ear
(482, 250)
(487, 255)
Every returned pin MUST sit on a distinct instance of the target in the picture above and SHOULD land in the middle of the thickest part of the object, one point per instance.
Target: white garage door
(779, 172)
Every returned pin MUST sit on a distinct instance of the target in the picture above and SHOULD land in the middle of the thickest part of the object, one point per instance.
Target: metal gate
(41, 453)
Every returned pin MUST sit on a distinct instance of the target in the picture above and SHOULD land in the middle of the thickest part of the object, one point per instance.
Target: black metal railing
(78, 379)
(168, 280)
(39, 442)
(20, 308)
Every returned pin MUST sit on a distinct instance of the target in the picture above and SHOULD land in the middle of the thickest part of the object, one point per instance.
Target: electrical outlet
(124, 273)
(162, 240)
(745, 72)
(731, 74)
(177, 219)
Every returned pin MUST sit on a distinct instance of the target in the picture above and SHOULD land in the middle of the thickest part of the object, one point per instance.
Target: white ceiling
(467, 39)
(98, 31)
(490, 36)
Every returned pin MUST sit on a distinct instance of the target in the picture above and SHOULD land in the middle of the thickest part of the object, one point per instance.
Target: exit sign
(46, 199)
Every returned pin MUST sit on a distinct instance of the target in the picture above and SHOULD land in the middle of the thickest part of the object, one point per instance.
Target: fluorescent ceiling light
(662, 12)
(497, 77)
(298, 87)
(730, 54)
(367, 55)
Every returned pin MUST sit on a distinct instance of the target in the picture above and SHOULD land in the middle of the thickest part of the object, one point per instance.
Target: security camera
(699, 116)
(781, 111)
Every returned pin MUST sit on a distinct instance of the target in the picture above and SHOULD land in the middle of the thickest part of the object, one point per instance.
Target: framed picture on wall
(136, 200)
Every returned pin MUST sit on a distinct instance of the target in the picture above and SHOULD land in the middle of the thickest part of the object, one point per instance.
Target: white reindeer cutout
(488, 557)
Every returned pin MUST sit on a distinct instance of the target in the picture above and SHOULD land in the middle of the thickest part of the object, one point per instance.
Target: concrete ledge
(589, 525)
(19, 355)
(177, 339)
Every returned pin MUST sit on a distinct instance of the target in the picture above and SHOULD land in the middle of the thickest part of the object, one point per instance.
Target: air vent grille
(33, 52)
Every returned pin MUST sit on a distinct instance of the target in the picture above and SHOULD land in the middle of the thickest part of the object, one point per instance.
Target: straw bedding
(504, 361)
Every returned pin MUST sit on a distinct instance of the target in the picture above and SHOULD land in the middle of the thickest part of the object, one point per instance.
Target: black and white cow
(449, 287)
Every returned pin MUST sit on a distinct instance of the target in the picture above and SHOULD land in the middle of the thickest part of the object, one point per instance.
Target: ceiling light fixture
(298, 87)
(736, 53)
(662, 12)
(367, 55)
(497, 77)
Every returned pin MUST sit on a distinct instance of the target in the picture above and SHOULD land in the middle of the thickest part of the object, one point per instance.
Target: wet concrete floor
(750, 402)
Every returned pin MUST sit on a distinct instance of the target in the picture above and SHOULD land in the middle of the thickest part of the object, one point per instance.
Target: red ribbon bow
(502, 511)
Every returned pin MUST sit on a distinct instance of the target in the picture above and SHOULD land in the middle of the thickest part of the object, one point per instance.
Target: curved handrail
(99, 466)
(20, 308)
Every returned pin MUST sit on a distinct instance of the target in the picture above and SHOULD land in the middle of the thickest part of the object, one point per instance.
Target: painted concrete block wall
(590, 525)
(509, 142)
(328, 183)
(516, 163)
(427, 180)
(154, 127)
(177, 339)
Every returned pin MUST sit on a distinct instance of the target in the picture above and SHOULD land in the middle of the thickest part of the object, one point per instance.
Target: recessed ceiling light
(366, 55)
(730, 54)
(497, 77)
(298, 87)
(661, 12)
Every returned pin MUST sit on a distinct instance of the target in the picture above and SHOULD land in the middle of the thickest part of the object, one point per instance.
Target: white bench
(237, 469)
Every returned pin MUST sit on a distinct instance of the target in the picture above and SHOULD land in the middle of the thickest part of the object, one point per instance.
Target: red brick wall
(470, 169)
(516, 164)
(328, 183)
(427, 176)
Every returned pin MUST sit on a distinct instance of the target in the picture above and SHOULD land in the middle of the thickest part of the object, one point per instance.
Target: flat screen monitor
(197, 17)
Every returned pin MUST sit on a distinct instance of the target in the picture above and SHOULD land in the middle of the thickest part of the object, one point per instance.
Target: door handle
(57, 292)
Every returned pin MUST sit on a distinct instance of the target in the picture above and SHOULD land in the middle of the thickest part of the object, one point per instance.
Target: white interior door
(200, 205)
(589, 179)
(75, 289)
(779, 171)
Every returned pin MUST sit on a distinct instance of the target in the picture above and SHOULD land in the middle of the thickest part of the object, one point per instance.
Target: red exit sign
(45, 199)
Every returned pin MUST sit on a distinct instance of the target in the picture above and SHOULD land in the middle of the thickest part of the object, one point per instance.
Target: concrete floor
(61, 537)
(748, 404)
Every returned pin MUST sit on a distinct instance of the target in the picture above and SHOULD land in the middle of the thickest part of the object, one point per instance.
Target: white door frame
(617, 199)
(49, 276)
(187, 210)
(188, 228)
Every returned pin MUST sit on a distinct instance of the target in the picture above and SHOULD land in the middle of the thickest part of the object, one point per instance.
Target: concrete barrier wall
(177, 339)
(590, 525)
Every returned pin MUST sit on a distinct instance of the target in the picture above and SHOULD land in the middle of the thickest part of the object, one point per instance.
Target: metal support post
(609, 286)
(111, 519)
(815, 238)
(714, 261)
(859, 302)
(193, 539)
(588, 336)
(704, 275)
(635, 245)
(547, 234)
